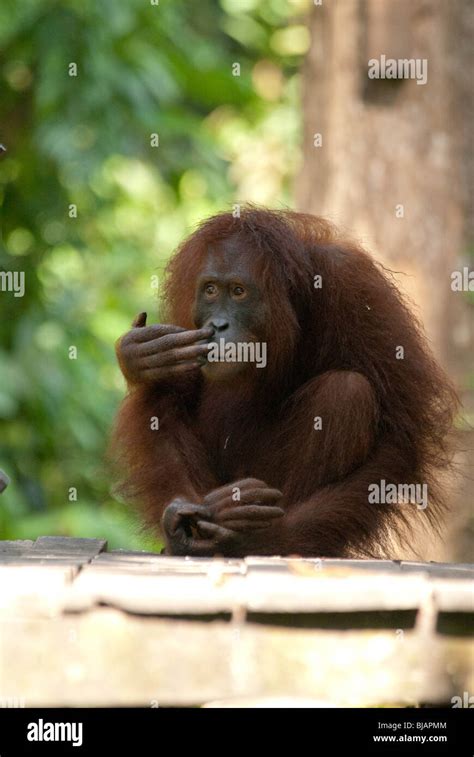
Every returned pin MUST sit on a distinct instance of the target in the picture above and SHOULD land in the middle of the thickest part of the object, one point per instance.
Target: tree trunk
(393, 162)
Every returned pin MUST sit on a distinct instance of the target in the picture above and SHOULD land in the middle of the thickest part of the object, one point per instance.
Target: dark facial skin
(228, 305)
(228, 301)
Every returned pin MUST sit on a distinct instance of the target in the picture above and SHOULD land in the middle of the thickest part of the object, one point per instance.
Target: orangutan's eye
(238, 292)
(210, 290)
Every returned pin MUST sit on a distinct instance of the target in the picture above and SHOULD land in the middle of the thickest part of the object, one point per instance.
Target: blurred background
(127, 123)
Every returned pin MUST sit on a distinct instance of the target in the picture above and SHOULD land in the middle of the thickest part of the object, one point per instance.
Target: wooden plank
(14, 547)
(262, 591)
(106, 657)
(50, 545)
(40, 559)
(153, 584)
(37, 577)
(316, 563)
(33, 591)
(453, 595)
(122, 655)
(439, 570)
(175, 565)
(155, 588)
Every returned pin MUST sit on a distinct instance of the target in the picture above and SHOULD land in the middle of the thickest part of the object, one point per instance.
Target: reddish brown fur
(390, 420)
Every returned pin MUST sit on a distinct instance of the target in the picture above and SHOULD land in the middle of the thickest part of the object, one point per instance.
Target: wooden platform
(83, 626)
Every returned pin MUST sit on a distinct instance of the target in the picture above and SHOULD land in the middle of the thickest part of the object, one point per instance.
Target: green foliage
(82, 145)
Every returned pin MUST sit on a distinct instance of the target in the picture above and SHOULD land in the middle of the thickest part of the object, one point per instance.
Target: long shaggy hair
(330, 308)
